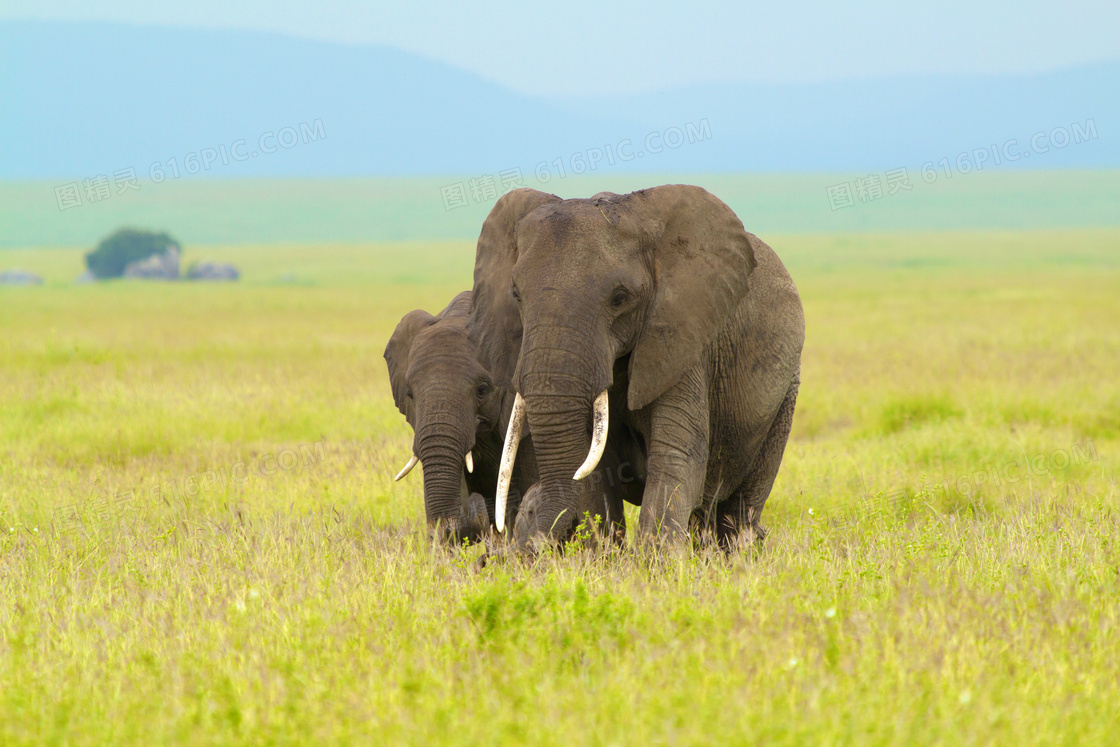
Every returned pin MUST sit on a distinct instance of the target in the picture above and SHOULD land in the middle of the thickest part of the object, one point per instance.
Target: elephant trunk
(559, 383)
(561, 439)
(442, 452)
(565, 365)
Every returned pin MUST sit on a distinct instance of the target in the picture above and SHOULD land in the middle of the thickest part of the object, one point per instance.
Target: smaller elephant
(458, 412)
(600, 513)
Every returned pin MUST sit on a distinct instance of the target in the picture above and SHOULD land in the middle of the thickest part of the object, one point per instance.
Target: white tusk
(509, 454)
(470, 462)
(598, 437)
(407, 468)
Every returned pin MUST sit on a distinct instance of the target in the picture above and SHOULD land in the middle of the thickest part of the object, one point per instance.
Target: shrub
(126, 245)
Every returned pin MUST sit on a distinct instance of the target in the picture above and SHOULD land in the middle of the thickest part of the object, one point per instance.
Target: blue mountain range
(79, 99)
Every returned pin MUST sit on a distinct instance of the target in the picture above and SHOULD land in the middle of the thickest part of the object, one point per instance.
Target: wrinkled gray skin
(601, 510)
(454, 405)
(692, 324)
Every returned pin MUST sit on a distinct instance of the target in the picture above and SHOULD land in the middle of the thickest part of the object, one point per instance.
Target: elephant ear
(494, 324)
(396, 352)
(702, 260)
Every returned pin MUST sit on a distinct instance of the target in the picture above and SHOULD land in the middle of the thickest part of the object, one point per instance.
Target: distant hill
(890, 122)
(81, 99)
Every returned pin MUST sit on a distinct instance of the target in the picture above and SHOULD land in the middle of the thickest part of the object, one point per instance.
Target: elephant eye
(516, 294)
(619, 297)
(483, 389)
(408, 393)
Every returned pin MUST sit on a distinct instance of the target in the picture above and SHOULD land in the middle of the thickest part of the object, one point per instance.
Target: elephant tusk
(407, 468)
(598, 437)
(509, 454)
(470, 462)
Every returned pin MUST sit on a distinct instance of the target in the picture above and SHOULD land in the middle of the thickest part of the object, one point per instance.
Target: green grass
(201, 541)
(307, 211)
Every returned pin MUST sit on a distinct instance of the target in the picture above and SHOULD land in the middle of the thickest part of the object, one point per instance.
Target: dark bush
(127, 245)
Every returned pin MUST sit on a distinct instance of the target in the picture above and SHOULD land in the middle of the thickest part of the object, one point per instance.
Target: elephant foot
(749, 538)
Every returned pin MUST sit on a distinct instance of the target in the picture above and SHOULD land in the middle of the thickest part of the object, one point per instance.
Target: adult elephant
(494, 321)
(656, 332)
(458, 403)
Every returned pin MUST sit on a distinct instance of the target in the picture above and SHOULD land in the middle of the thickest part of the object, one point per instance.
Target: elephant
(457, 409)
(601, 512)
(656, 333)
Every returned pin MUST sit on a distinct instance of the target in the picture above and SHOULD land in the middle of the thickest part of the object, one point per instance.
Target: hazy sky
(582, 47)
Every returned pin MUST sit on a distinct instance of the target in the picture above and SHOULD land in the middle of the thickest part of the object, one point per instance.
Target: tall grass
(201, 541)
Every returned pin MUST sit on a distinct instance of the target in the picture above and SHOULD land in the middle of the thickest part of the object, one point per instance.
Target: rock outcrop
(19, 277)
(213, 271)
(156, 267)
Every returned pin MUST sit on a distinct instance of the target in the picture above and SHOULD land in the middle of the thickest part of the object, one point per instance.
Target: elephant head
(635, 286)
(454, 409)
(599, 526)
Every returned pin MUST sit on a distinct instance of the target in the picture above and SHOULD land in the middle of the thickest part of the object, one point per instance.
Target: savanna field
(201, 541)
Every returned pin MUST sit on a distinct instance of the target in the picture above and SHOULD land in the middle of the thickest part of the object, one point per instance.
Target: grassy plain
(201, 540)
(309, 211)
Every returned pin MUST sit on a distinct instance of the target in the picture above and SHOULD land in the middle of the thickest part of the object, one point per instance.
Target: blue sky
(583, 47)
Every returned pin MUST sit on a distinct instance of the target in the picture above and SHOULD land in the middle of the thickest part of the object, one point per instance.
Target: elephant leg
(743, 508)
(677, 457)
(606, 517)
(615, 524)
(615, 481)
